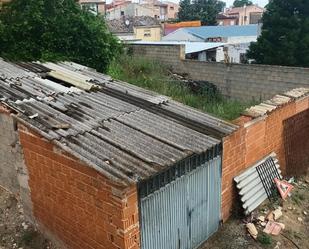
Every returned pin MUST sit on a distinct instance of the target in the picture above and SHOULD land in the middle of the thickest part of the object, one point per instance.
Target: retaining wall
(238, 81)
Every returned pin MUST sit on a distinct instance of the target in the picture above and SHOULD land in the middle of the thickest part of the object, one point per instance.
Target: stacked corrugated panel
(250, 185)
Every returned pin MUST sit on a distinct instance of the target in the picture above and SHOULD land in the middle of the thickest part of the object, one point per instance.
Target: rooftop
(205, 32)
(127, 133)
(127, 24)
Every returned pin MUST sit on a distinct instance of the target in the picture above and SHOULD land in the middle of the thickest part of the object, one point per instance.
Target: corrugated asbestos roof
(276, 102)
(251, 189)
(9, 71)
(123, 131)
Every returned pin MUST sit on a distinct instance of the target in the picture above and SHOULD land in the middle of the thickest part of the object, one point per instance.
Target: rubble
(261, 218)
(277, 213)
(273, 228)
(252, 230)
(15, 231)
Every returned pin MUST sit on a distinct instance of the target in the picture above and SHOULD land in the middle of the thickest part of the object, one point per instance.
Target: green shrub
(53, 30)
(264, 239)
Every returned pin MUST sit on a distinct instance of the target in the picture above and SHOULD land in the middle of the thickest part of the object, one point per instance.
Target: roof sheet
(276, 102)
(190, 47)
(250, 185)
(125, 132)
(205, 32)
(9, 71)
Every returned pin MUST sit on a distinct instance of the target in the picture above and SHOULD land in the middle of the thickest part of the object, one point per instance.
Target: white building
(233, 41)
(226, 34)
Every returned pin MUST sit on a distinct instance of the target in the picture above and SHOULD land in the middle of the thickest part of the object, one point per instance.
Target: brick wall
(238, 81)
(73, 203)
(255, 139)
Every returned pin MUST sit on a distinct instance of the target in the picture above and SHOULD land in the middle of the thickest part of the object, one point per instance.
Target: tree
(185, 12)
(241, 3)
(55, 30)
(285, 34)
(204, 10)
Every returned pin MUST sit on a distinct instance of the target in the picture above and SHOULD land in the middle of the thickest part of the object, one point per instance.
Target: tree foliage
(204, 10)
(285, 34)
(241, 3)
(55, 30)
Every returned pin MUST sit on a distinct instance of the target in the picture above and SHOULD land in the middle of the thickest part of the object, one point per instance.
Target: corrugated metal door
(184, 213)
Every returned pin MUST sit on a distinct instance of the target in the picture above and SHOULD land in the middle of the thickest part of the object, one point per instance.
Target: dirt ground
(233, 234)
(15, 232)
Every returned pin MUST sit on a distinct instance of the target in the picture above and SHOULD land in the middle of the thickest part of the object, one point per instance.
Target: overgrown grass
(156, 77)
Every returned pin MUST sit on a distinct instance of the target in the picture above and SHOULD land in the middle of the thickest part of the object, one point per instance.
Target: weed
(156, 77)
(264, 239)
(28, 237)
(297, 198)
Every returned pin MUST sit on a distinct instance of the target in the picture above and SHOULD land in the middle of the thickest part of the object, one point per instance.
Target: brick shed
(111, 165)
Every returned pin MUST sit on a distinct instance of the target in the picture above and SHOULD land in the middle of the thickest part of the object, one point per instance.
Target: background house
(128, 9)
(243, 15)
(95, 6)
(225, 20)
(136, 28)
(157, 9)
(233, 41)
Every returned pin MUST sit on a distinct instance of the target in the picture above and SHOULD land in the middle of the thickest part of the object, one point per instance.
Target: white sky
(229, 3)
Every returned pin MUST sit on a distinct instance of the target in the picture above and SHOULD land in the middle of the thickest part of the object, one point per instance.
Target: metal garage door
(185, 212)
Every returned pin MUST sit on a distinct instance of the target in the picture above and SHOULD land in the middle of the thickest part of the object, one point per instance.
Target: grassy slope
(153, 76)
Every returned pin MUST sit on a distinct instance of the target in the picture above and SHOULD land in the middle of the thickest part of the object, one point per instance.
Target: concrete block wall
(237, 81)
(13, 172)
(8, 154)
(255, 139)
(73, 204)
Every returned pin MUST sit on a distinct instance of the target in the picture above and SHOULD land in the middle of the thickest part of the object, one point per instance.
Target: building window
(171, 8)
(92, 7)
(122, 13)
(232, 22)
(221, 23)
(147, 32)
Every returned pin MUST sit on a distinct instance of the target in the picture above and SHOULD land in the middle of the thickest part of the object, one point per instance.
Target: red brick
(248, 145)
(73, 200)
